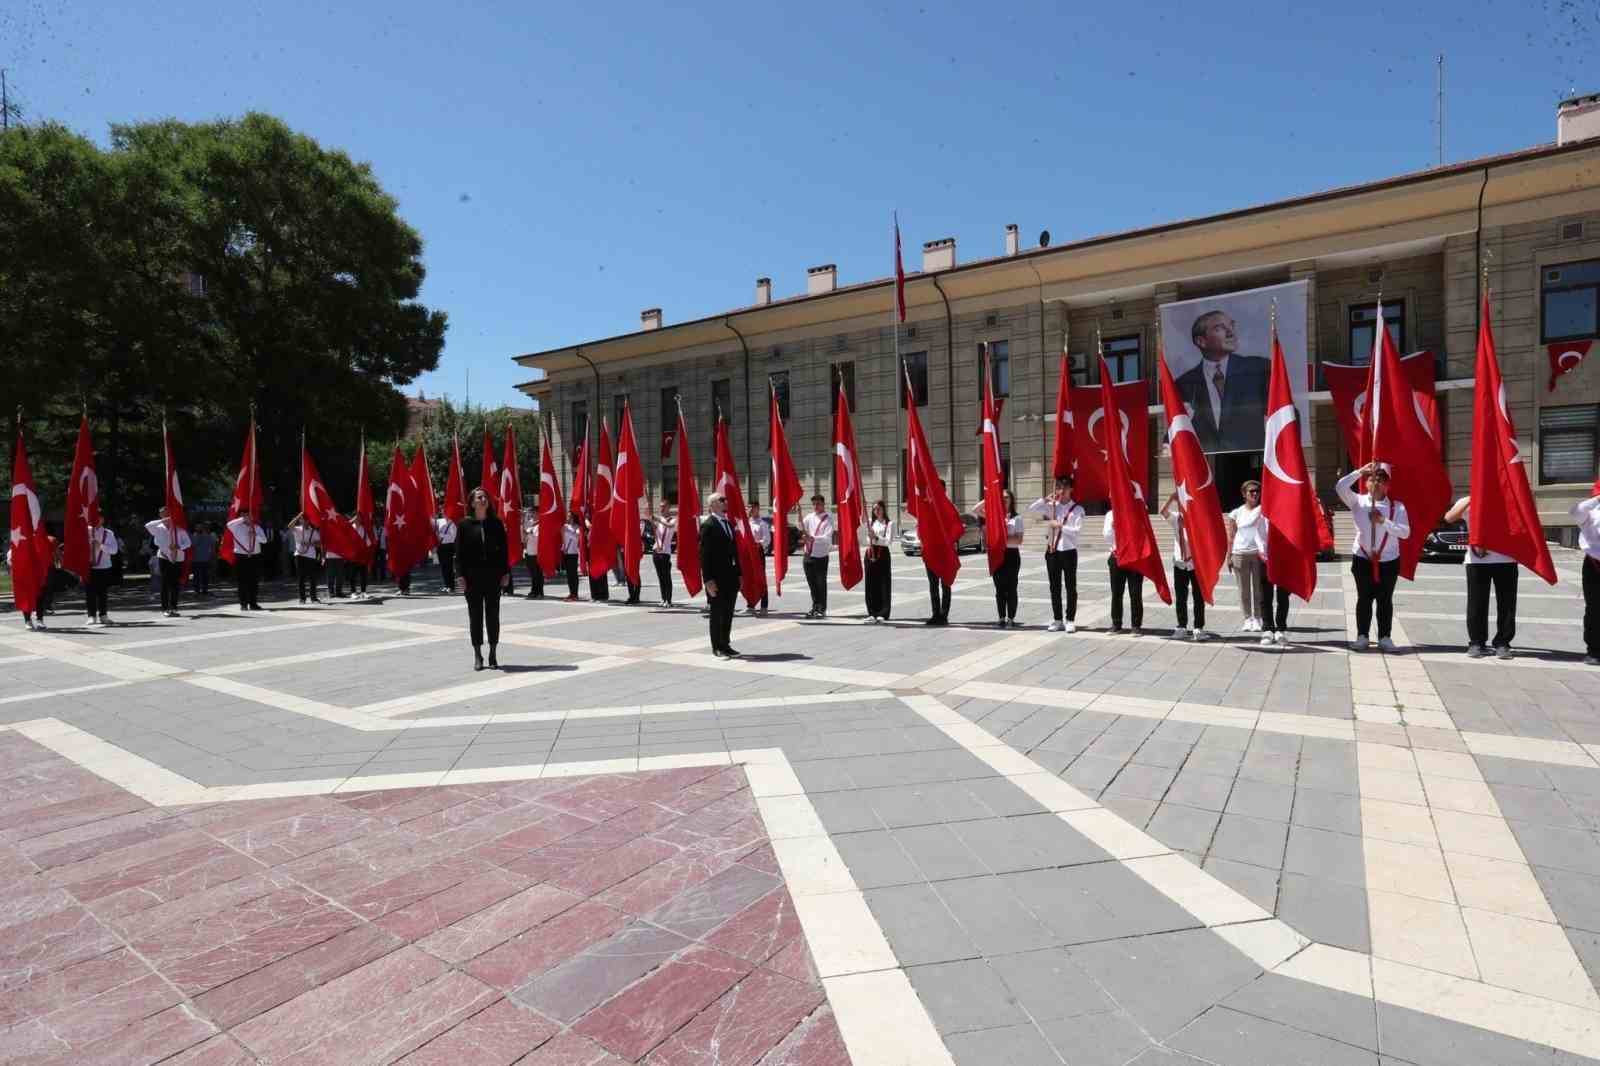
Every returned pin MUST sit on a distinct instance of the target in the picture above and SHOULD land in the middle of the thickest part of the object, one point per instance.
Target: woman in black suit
(481, 557)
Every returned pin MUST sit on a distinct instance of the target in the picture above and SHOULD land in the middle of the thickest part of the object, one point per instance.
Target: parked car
(1446, 544)
(971, 538)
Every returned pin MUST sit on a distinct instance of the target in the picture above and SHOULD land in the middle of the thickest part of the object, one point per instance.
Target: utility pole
(5, 102)
(1438, 110)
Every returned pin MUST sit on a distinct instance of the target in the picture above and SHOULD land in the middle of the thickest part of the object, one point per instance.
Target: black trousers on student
(171, 573)
(358, 577)
(309, 575)
(722, 606)
(247, 572)
(447, 566)
(569, 563)
(939, 593)
(1005, 585)
(1591, 606)
(816, 568)
(202, 578)
(663, 575)
(878, 578)
(1061, 567)
(1503, 577)
(99, 591)
(535, 577)
(1274, 605)
(483, 605)
(599, 589)
(1374, 592)
(1183, 580)
(1131, 582)
(338, 571)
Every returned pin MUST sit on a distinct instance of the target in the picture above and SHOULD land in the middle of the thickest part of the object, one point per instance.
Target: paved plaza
(315, 835)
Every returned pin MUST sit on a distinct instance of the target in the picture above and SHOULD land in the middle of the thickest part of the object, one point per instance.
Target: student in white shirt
(571, 541)
(248, 540)
(1183, 577)
(820, 537)
(1063, 520)
(355, 569)
(1005, 578)
(102, 546)
(445, 530)
(1123, 580)
(1247, 535)
(171, 548)
(1484, 569)
(1274, 598)
(661, 551)
(1587, 512)
(1381, 524)
(305, 540)
(880, 535)
(530, 558)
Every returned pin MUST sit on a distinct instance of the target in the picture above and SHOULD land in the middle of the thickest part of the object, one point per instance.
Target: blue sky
(568, 165)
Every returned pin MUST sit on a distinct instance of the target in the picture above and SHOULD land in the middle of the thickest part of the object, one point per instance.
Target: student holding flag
(1381, 524)
(1587, 512)
(1063, 520)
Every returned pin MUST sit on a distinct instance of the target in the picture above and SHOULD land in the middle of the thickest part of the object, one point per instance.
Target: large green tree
(305, 309)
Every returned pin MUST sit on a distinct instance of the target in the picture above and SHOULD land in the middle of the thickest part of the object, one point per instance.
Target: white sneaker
(1268, 639)
(28, 622)
(1180, 633)
(1072, 627)
(1361, 644)
(1385, 644)
(1199, 634)
(1054, 627)
(1252, 625)
(1283, 638)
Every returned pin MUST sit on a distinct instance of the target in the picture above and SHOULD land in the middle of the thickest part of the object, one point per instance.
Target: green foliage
(448, 423)
(309, 309)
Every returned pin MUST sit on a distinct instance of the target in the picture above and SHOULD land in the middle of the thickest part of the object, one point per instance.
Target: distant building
(419, 412)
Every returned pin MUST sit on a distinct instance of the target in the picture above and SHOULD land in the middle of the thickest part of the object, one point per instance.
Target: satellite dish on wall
(1044, 238)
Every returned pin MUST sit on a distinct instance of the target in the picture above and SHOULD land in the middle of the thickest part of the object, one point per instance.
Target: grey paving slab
(967, 995)
(1257, 841)
(1100, 901)
(1413, 1037)
(1227, 1036)
(1339, 1016)
(1328, 912)
(1165, 981)
(998, 919)
(1015, 1045)
(1259, 884)
(1327, 856)
(918, 925)
(1108, 1038)
(1049, 986)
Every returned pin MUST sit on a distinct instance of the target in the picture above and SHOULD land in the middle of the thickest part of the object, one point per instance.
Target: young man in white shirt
(661, 552)
(1484, 569)
(820, 535)
(761, 528)
(1381, 524)
(1183, 579)
(1587, 512)
(530, 558)
(102, 546)
(1123, 579)
(1063, 519)
(306, 543)
(248, 540)
(446, 532)
(171, 546)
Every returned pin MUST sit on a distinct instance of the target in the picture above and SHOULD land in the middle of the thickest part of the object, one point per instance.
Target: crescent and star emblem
(1572, 354)
(91, 485)
(1183, 424)
(396, 514)
(1096, 417)
(311, 491)
(603, 473)
(177, 493)
(1511, 438)
(546, 478)
(622, 461)
(1280, 420)
(850, 467)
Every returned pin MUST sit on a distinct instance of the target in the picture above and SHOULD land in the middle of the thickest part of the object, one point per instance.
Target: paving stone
(1325, 856)
(918, 925)
(1101, 901)
(1207, 792)
(963, 996)
(876, 860)
(1259, 884)
(1333, 811)
(1258, 799)
(1183, 828)
(1253, 840)
(1338, 1016)
(1015, 1045)
(1326, 911)
(1108, 1038)
(994, 916)
(1247, 1040)
(1413, 1037)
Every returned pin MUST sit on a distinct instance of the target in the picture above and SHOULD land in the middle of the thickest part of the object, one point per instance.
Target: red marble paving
(427, 926)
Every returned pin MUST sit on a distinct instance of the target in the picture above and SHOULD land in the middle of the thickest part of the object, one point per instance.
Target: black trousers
(599, 589)
(722, 605)
(1591, 605)
(1183, 580)
(1005, 585)
(171, 573)
(247, 572)
(878, 582)
(98, 592)
(358, 577)
(816, 568)
(309, 575)
(535, 577)
(447, 566)
(1503, 577)
(1131, 582)
(338, 571)
(1274, 605)
(1374, 592)
(1061, 567)
(939, 593)
(663, 575)
(202, 578)
(569, 563)
(483, 605)
(403, 582)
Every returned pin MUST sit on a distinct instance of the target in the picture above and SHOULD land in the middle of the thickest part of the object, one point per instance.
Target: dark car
(971, 538)
(1446, 544)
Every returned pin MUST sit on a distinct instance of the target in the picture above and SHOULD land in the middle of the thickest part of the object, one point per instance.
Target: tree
(449, 423)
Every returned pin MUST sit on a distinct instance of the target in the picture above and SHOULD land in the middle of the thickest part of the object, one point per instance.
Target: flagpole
(894, 324)
(250, 503)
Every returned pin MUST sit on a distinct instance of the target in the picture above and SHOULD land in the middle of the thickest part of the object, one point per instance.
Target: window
(578, 428)
(917, 370)
(780, 389)
(721, 401)
(1363, 329)
(1005, 463)
(845, 372)
(1122, 357)
(669, 483)
(999, 367)
(669, 408)
(616, 413)
(1568, 443)
(1570, 301)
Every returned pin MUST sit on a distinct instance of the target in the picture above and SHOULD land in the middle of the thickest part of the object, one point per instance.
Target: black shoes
(493, 662)
(477, 659)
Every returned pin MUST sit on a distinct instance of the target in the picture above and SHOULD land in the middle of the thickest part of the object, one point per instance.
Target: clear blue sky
(570, 164)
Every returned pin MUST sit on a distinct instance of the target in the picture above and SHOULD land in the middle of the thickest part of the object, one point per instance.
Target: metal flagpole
(250, 503)
(894, 324)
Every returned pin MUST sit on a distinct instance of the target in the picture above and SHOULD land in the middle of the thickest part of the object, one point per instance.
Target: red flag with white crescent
(1287, 499)
(1565, 357)
(627, 482)
(315, 503)
(511, 498)
(752, 565)
(994, 504)
(1403, 423)
(939, 525)
(423, 506)
(399, 511)
(1061, 463)
(1094, 431)
(1137, 548)
(489, 479)
(783, 489)
(83, 506)
(847, 494)
(602, 539)
(552, 511)
(1196, 488)
(455, 493)
(31, 553)
(366, 527)
(688, 515)
(248, 494)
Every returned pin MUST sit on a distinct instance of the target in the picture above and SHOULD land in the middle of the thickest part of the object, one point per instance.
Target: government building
(1532, 216)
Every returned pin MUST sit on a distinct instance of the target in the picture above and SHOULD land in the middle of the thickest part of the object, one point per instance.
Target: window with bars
(1363, 329)
(846, 373)
(669, 408)
(1122, 356)
(780, 388)
(669, 483)
(1569, 443)
(1569, 302)
(999, 367)
(916, 368)
(616, 412)
(578, 428)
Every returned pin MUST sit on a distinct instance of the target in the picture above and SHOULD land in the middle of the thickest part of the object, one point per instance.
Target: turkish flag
(1091, 453)
(688, 515)
(315, 503)
(1565, 357)
(1347, 386)
(511, 498)
(602, 540)
(783, 489)
(83, 506)
(847, 493)
(668, 441)
(899, 273)
(752, 566)
(423, 506)
(489, 479)
(939, 524)
(247, 492)
(1405, 438)
(578, 500)
(398, 523)
(994, 503)
(340, 537)
(1197, 490)
(1503, 517)
(455, 493)
(552, 511)
(31, 551)
(177, 518)
(1287, 499)
(1061, 458)
(1137, 549)
(627, 487)
(365, 510)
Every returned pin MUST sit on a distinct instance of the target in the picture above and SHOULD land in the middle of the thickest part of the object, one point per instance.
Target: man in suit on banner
(719, 565)
(1227, 392)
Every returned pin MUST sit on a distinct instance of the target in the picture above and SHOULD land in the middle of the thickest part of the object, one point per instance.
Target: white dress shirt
(819, 527)
(1109, 533)
(880, 533)
(243, 541)
(1250, 531)
(1063, 537)
(570, 535)
(102, 546)
(1210, 370)
(1487, 556)
(1180, 537)
(1384, 539)
(530, 540)
(666, 535)
(762, 528)
(1587, 512)
(162, 537)
(306, 541)
(446, 530)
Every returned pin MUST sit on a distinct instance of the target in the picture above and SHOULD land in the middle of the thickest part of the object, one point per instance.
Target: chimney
(763, 291)
(650, 319)
(1011, 239)
(822, 279)
(938, 255)
(1578, 118)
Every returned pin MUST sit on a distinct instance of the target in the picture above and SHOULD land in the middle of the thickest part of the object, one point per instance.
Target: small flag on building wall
(668, 443)
(1565, 357)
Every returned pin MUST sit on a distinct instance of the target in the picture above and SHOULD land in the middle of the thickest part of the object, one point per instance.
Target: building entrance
(1231, 470)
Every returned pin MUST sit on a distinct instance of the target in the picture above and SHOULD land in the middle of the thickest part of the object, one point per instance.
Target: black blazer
(481, 545)
(1244, 404)
(719, 558)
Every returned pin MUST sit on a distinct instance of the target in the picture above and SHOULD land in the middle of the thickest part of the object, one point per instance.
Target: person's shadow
(775, 657)
(529, 668)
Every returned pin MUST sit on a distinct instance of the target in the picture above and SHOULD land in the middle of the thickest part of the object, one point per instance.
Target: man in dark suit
(1226, 393)
(719, 566)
